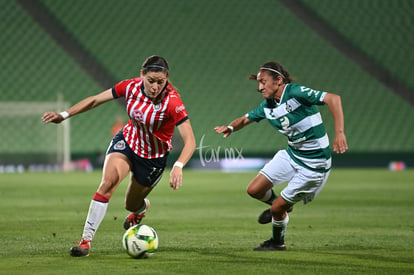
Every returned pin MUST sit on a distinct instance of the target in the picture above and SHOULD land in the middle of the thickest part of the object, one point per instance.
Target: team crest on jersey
(288, 108)
(157, 107)
(120, 145)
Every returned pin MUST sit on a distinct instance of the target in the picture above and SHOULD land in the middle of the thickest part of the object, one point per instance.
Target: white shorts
(304, 184)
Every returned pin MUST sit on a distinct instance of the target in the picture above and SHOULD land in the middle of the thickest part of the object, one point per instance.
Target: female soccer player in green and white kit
(306, 163)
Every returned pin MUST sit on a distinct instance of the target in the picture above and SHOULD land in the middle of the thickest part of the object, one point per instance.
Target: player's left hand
(176, 177)
(340, 145)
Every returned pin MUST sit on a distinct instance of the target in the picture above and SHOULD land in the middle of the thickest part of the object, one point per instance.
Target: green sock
(279, 229)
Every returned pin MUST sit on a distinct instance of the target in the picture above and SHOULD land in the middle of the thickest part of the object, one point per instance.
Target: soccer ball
(140, 241)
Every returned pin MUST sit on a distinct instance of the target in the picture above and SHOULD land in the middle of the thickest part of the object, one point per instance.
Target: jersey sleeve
(309, 96)
(178, 111)
(258, 113)
(119, 89)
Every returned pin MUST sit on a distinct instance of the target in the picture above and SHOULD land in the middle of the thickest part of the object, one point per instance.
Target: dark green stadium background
(212, 46)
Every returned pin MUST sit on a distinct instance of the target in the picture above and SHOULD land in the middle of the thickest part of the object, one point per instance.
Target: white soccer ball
(140, 241)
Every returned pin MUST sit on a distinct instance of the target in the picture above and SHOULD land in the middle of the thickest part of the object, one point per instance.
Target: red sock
(100, 197)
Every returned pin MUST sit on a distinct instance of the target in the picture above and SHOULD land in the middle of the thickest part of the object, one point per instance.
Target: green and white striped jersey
(297, 117)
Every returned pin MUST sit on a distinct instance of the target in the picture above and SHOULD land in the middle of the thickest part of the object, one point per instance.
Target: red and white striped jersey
(151, 125)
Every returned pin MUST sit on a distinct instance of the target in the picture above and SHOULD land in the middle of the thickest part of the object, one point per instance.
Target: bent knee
(256, 192)
(258, 187)
(251, 191)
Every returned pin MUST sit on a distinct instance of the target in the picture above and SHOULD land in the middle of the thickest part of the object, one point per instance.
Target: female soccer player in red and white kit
(140, 148)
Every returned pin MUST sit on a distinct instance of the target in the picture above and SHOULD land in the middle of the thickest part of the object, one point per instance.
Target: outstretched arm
(235, 125)
(186, 133)
(335, 106)
(80, 107)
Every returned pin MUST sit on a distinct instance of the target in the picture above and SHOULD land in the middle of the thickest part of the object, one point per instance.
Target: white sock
(283, 223)
(97, 211)
(269, 197)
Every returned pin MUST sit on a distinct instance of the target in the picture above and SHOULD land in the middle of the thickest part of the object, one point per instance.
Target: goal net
(27, 142)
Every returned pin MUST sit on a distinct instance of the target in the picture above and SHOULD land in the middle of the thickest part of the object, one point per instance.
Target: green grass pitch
(361, 223)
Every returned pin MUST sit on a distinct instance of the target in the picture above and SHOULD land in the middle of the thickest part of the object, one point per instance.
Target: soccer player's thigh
(116, 168)
(279, 169)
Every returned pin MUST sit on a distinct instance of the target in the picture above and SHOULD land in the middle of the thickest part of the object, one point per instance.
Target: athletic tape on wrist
(179, 164)
(64, 114)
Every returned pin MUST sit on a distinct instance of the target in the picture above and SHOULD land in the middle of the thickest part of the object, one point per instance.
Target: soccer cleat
(82, 250)
(134, 219)
(270, 245)
(266, 216)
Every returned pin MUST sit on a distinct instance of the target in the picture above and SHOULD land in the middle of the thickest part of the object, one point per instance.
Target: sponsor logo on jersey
(139, 116)
(179, 108)
(285, 123)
